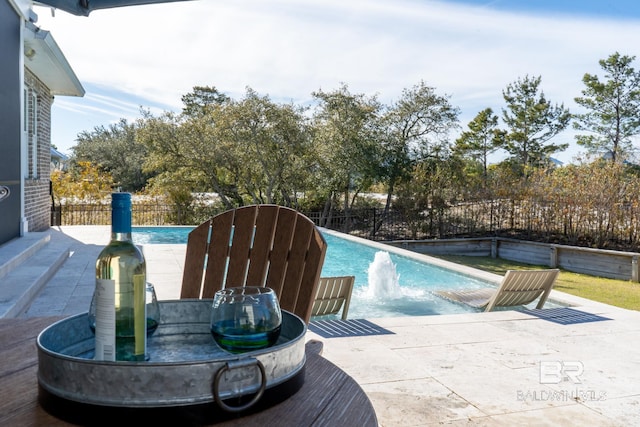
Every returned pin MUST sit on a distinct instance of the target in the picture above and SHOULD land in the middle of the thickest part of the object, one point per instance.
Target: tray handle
(238, 364)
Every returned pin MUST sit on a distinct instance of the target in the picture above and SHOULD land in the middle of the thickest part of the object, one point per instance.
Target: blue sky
(149, 56)
(597, 8)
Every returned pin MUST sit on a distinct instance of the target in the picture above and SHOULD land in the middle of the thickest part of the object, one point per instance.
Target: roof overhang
(22, 7)
(55, 154)
(45, 59)
(84, 7)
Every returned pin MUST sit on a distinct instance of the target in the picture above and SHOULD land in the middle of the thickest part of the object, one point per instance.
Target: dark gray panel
(10, 93)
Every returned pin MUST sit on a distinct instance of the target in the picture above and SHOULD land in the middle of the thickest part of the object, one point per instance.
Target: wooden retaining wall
(595, 262)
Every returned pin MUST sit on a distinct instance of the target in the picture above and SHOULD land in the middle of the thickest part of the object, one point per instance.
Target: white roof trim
(45, 59)
(22, 7)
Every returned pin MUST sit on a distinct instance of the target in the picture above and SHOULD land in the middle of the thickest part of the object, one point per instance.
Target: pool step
(26, 264)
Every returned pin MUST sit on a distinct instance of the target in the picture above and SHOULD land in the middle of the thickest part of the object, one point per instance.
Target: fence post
(553, 256)
(494, 247)
(634, 268)
(375, 224)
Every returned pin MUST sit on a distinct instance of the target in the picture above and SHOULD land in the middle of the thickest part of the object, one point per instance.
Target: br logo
(554, 372)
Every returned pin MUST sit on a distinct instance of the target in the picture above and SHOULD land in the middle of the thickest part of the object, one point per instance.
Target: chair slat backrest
(258, 245)
(334, 294)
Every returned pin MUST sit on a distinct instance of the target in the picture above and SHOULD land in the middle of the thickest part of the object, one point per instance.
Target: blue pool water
(160, 235)
(416, 282)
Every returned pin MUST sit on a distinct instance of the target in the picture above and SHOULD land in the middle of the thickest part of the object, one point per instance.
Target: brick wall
(37, 177)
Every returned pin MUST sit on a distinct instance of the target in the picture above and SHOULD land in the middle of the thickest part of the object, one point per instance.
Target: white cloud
(289, 48)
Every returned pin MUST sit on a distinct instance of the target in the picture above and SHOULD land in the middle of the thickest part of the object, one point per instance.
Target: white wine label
(105, 295)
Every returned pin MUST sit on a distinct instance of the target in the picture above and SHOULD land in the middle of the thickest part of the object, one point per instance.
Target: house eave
(43, 57)
(22, 7)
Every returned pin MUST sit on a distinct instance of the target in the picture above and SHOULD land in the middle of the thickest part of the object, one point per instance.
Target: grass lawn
(620, 293)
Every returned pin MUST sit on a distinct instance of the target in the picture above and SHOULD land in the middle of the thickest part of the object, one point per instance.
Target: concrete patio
(490, 369)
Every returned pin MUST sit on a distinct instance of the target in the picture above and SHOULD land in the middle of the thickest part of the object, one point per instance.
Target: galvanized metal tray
(185, 367)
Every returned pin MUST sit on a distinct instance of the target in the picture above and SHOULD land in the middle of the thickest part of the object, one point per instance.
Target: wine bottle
(120, 309)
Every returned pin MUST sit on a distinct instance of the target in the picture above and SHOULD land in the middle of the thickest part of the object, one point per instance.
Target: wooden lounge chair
(334, 294)
(518, 287)
(257, 245)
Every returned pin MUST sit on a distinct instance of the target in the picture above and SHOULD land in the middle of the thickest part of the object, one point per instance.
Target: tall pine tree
(613, 109)
(532, 121)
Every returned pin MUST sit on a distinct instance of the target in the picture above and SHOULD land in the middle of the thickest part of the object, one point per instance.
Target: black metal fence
(100, 214)
(611, 226)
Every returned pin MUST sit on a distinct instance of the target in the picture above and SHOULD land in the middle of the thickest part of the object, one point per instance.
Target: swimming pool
(161, 235)
(410, 295)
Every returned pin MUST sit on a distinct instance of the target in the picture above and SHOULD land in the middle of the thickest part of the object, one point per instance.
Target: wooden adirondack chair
(334, 294)
(518, 287)
(257, 245)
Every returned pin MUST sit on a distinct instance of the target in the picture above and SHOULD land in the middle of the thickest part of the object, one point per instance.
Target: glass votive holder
(245, 318)
(153, 309)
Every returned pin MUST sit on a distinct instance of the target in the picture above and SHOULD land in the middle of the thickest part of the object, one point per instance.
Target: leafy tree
(424, 199)
(532, 121)
(188, 156)
(613, 108)
(504, 180)
(271, 142)
(115, 150)
(482, 138)
(201, 99)
(345, 127)
(415, 127)
(82, 182)
(246, 151)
